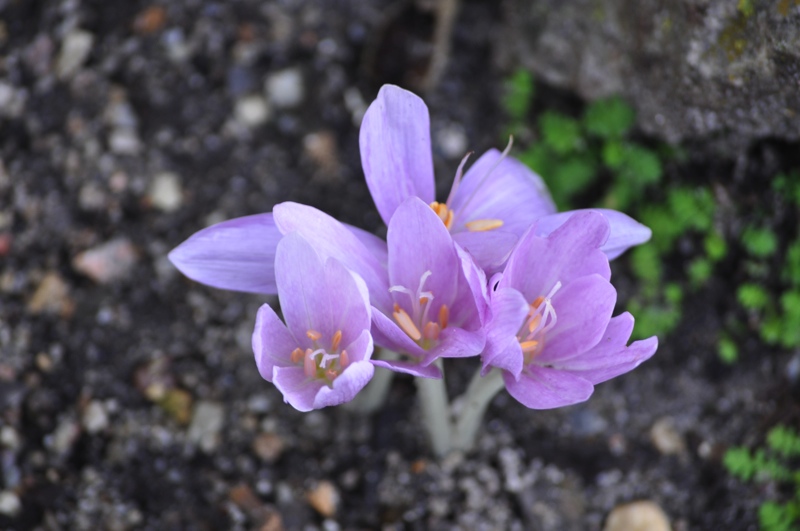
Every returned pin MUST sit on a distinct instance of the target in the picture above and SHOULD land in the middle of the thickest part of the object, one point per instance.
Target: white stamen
(500, 159)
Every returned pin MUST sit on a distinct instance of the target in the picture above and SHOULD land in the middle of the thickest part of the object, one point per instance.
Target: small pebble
(452, 140)
(165, 192)
(124, 141)
(285, 89)
(666, 438)
(64, 436)
(151, 20)
(107, 262)
(206, 425)
(268, 447)
(177, 403)
(252, 111)
(9, 438)
(637, 516)
(10, 504)
(95, 417)
(324, 498)
(52, 297)
(74, 51)
(321, 148)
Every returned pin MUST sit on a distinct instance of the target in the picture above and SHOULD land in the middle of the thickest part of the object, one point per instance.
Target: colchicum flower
(488, 210)
(320, 357)
(551, 330)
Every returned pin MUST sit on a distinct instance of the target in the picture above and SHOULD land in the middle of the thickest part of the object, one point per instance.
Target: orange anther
(529, 346)
(534, 323)
(482, 225)
(337, 338)
(405, 322)
(331, 374)
(297, 355)
(536, 303)
(313, 335)
(423, 300)
(309, 366)
(431, 330)
(444, 316)
(344, 359)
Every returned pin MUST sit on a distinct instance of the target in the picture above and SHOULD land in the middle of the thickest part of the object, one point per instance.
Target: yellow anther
(297, 355)
(313, 335)
(483, 225)
(344, 359)
(534, 323)
(529, 346)
(337, 338)
(444, 316)
(536, 303)
(404, 321)
(431, 330)
(444, 213)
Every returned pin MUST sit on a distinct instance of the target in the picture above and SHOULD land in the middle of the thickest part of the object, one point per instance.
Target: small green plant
(752, 296)
(760, 243)
(775, 462)
(519, 91)
(727, 350)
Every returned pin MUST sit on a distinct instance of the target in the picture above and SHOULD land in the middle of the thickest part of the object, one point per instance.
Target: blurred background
(129, 398)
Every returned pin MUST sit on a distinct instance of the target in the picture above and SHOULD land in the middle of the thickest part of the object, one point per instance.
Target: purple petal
(570, 252)
(419, 242)
(330, 238)
(272, 342)
(625, 231)
(510, 192)
(611, 357)
(475, 279)
(361, 348)
(583, 309)
(545, 388)
(297, 389)
(374, 244)
(456, 343)
(238, 254)
(388, 335)
(405, 367)
(509, 310)
(489, 249)
(395, 148)
(346, 385)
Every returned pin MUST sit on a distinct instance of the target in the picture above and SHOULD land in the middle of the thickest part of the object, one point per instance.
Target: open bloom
(320, 357)
(488, 210)
(436, 295)
(551, 330)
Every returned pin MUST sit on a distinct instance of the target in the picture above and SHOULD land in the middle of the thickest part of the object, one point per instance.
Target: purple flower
(436, 294)
(497, 201)
(321, 356)
(551, 330)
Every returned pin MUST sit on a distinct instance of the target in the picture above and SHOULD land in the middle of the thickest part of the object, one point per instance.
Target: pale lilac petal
(307, 302)
(583, 309)
(456, 343)
(395, 148)
(333, 239)
(361, 348)
(297, 389)
(509, 310)
(625, 231)
(388, 335)
(349, 306)
(346, 385)
(611, 357)
(489, 249)
(238, 254)
(412, 368)
(272, 342)
(374, 244)
(545, 388)
(419, 242)
(570, 252)
(478, 292)
(510, 192)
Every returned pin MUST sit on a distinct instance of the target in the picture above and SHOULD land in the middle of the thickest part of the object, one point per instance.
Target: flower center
(418, 324)
(319, 362)
(541, 319)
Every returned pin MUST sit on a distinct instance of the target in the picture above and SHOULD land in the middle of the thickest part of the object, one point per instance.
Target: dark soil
(131, 401)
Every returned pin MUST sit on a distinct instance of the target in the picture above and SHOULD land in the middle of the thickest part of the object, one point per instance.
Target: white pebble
(165, 192)
(74, 51)
(9, 503)
(285, 88)
(252, 111)
(95, 418)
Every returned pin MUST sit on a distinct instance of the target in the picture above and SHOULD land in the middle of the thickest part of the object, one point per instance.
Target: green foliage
(560, 133)
(519, 91)
(791, 267)
(746, 7)
(715, 247)
(787, 186)
(752, 296)
(772, 463)
(609, 118)
(700, 270)
(727, 350)
(761, 243)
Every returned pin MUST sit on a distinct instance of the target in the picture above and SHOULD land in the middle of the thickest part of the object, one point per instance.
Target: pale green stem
(432, 395)
(477, 398)
(373, 396)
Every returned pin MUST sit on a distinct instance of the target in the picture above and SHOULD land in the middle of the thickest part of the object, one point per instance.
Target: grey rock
(74, 51)
(206, 424)
(285, 88)
(692, 69)
(10, 505)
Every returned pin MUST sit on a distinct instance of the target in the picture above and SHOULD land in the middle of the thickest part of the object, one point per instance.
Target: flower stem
(373, 396)
(478, 396)
(432, 395)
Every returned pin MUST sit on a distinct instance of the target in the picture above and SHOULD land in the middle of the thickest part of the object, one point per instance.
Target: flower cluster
(492, 271)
